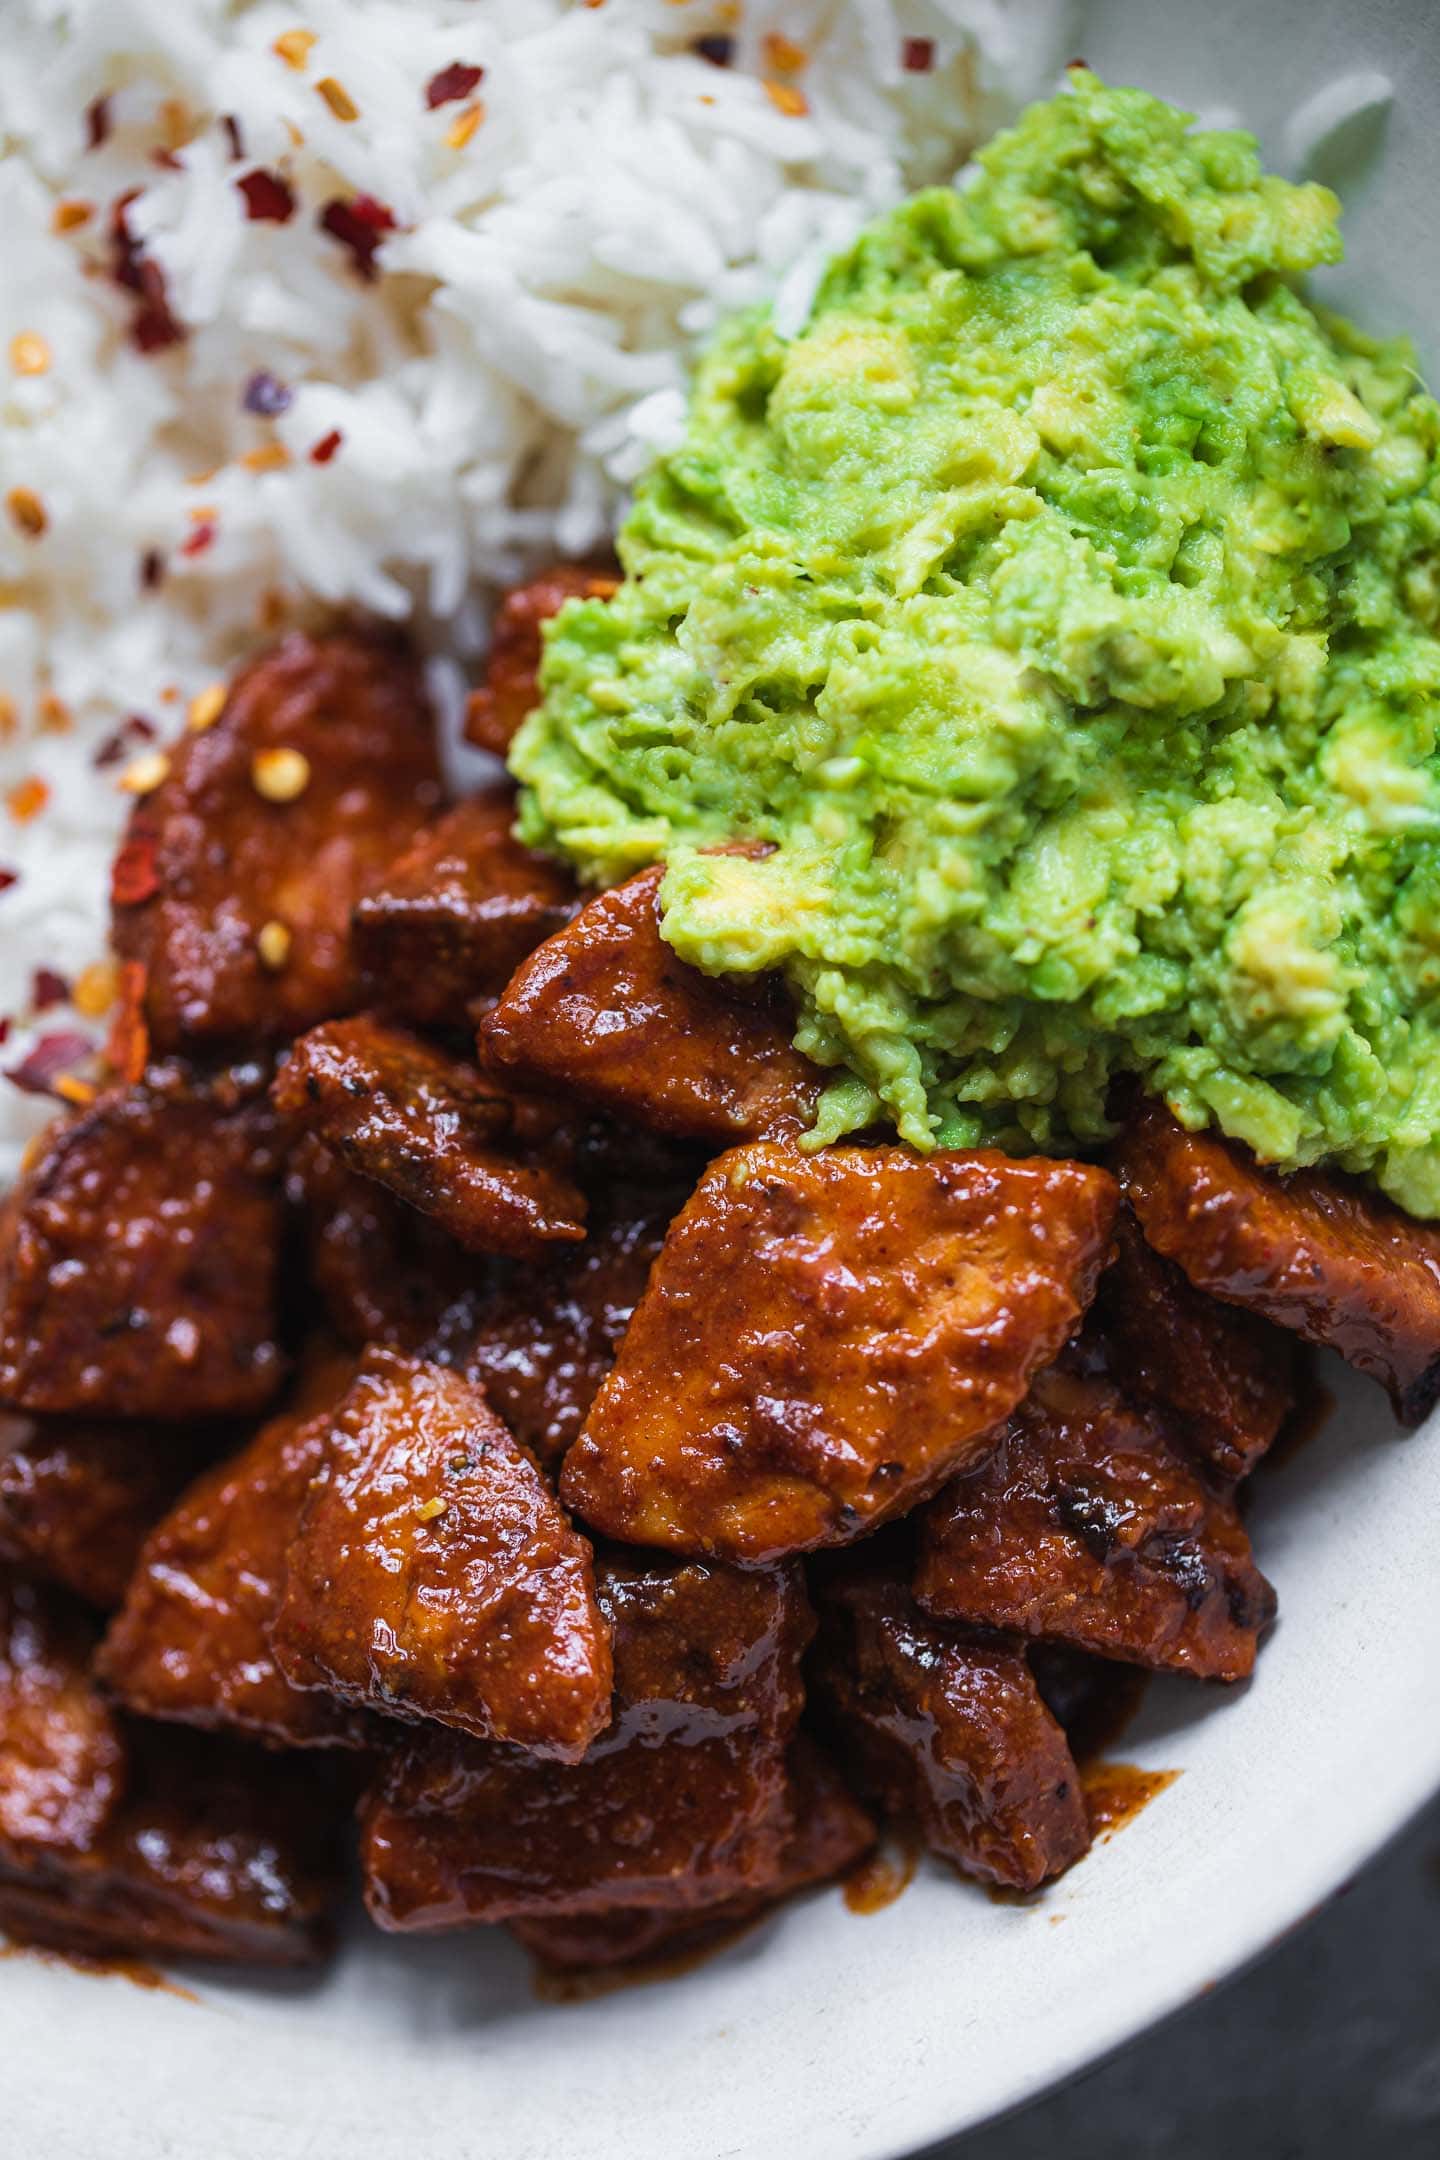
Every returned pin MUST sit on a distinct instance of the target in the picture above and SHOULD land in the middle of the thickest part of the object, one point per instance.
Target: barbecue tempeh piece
(434, 1574)
(1316, 1252)
(139, 1256)
(240, 835)
(948, 1726)
(830, 1832)
(425, 1126)
(1087, 1525)
(511, 686)
(542, 1344)
(216, 1851)
(62, 1759)
(80, 1497)
(825, 1338)
(453, 917)
(1223, 1377)
(607, 1009)
(191, 1641)
(677, 1805)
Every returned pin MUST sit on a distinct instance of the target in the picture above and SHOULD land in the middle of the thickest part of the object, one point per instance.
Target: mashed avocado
(1063, 604)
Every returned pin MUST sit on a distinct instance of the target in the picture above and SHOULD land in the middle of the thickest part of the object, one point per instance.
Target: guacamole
(1062, 603)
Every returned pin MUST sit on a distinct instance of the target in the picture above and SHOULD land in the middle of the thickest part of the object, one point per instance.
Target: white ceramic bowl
(823, 2036)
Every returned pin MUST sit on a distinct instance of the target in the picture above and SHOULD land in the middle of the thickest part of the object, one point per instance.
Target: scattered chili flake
(4, 1029)
(152, 569)
(47, 989)
(786, 98)
(27, 799)
(9, 718)
(917, 55)
(49, 1059)
(322, 451)
(269, 457)
(27, 512)
(457, 136)
(94, 989)
(135, 729)
(135, 876)
(8, 878)
(338, 98)
(152, 326)
(205, 708)
(166, 160)
(358, 225)
(233, 136)
(280, 775)
(294, 47)
(431, 1510)
(783, 54)
(144, 774)
(127, 1047)
(55, 715)
(718, 50)
(97, 122)
(269, 199)
(200, 539)
(29, 353)
(70, 214)
(266, 395)
(452, 83)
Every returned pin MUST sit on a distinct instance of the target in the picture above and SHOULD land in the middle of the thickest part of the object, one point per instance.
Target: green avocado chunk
(1062, 601)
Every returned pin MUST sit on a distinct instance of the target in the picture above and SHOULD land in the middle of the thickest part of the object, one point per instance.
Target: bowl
(825, 2033)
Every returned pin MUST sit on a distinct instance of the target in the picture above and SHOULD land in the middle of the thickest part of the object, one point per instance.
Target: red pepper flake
(8, 878)
(152, 569)
(135, 877)
(266, 396)
(51, 1059)
(97, 122)
(452, 83)
(233, 136)
(47, 989)
(4, 1030)
(166, 160)
(719, 51)
(202, 537)
(135, 729)
(325, 449)
(127, 1047)
(269, 199)
(27, 799)
(153, 326)
(917, 55)
(358, 225)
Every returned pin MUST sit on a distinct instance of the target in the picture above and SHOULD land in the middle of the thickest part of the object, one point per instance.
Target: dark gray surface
(1328, 2050)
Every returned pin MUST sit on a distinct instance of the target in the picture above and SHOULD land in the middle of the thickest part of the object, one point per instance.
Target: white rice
(507, 373)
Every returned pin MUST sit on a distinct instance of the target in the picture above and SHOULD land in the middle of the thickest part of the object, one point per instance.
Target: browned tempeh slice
(677, 1805)
(607, 1009)
(425, 1126)
(948, 1725)
(1318, 1253)
(191, 1641)
(79, 1497)
(435, 1575)
(454, 916)
(1224, 1377)
(830, 1832)
(283, 812)
(511, 686)
(825, 1338)
(62, 1759)
(1087, 1525)
(139, 1256)
(215, 1851)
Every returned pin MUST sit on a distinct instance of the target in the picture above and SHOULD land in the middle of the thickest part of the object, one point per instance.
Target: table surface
(1329, 2050)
